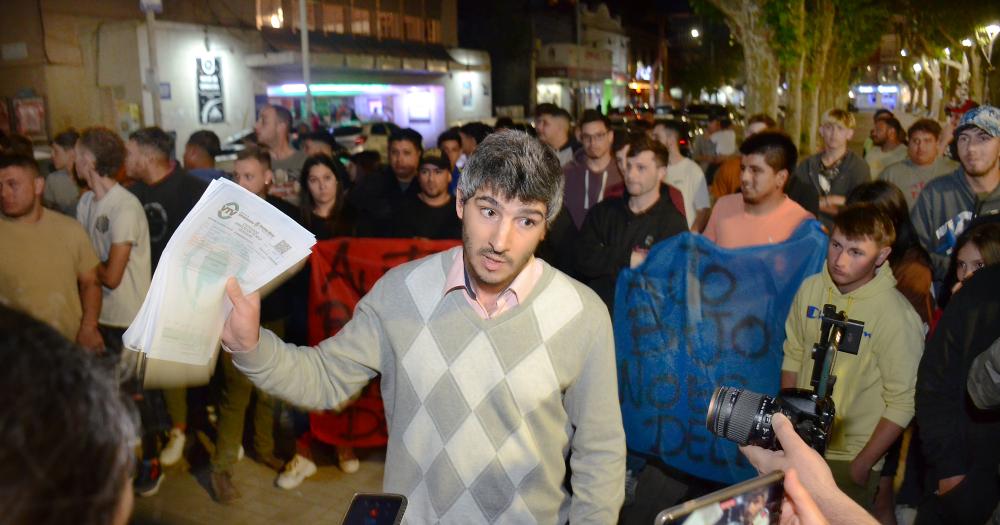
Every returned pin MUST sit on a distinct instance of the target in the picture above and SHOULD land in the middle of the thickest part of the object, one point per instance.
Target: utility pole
(152, 75)
(304, 33)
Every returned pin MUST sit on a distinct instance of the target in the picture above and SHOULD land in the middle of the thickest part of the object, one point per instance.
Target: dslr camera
(745, 417)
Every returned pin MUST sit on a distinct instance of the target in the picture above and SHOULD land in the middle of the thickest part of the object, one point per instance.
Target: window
(414, 26)
(311, 9)
(433, 31)
(389, 27)
(361, 21)
(270, 14)
(333, 18)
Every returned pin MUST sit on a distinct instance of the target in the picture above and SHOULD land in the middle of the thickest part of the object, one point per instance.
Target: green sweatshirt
(877, 383)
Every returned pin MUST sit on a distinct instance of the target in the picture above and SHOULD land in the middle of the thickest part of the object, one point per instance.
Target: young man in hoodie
(948, 204)
(873, 394)
(592, 175)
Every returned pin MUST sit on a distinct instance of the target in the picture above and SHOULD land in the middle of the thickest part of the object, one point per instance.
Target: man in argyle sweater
(496, 368)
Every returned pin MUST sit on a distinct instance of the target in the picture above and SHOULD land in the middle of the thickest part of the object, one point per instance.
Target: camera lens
(733, 412)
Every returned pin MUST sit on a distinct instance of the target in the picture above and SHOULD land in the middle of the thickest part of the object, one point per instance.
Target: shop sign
(211, 109)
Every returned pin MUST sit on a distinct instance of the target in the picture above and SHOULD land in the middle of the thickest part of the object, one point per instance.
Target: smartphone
(375, 509)
(753, 502)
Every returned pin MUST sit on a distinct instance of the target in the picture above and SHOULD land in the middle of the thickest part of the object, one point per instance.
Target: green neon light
(299, 90)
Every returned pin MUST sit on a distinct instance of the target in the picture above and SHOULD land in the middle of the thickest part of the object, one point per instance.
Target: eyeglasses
(596, 136)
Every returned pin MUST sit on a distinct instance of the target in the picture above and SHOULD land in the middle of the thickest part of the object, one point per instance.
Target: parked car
(231, 146)
(699, 115)
(367, 136)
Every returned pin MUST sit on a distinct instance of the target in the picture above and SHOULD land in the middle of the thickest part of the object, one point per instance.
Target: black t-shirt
(414, 218)
(166, 204)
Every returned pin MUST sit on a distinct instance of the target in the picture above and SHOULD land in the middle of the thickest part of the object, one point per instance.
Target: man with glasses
(591, 176)
(948, 204)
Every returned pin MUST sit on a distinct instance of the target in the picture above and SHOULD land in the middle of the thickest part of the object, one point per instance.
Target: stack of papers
(230, 232)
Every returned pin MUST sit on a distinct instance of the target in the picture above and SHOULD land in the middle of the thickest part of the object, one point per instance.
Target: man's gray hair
(515, 166)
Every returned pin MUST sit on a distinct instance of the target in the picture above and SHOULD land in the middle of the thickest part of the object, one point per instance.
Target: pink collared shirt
(518, 290)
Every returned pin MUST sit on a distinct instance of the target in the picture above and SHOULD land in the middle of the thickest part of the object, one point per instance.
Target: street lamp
(695, 33)
(917, 67)
(902, 52)
(966, 42)
(992, 30)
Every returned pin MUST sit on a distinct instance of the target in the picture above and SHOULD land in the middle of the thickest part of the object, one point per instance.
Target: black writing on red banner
(342, 272)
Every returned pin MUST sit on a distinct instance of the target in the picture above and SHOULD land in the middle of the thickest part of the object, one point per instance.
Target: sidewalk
(184, 497)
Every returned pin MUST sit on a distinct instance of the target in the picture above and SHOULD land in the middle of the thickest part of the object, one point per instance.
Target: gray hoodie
(945, 207)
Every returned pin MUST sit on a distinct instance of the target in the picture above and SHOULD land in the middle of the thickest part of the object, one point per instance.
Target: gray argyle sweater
(482, 414)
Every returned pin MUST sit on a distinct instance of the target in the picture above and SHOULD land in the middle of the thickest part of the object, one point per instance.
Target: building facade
(218, 62)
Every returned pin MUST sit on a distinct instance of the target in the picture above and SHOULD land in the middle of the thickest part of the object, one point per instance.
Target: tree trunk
(934, 80)
(793, 116)
(947, 90)
(976, 72)
(748, 24)
(822, 33)
(837, 82)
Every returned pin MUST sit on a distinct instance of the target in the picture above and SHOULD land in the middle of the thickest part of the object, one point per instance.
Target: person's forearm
(90, 301)
(982, 385)
(885, 434)
(104, 275)
(831, 204)
(839, 509)
(700, 220)
(111, 272)
(789, 379)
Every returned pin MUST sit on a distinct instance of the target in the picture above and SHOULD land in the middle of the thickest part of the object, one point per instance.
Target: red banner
(342, 272)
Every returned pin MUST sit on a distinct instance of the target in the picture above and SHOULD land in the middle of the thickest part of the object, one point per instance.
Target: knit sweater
(482, 414)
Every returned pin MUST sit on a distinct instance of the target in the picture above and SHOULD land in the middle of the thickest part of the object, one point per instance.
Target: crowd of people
(497, 357)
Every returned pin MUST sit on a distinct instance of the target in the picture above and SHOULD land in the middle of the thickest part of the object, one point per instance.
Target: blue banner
(694, 317)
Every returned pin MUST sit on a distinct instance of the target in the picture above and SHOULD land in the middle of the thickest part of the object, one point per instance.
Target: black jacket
(611, 231)
(958, 437)
(558, 248)
(375, 199)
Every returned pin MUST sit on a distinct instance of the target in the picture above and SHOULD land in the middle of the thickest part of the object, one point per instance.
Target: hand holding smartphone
(753, 502)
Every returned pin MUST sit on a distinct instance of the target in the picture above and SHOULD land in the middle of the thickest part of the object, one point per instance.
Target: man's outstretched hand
(811, 472)
(241, 333)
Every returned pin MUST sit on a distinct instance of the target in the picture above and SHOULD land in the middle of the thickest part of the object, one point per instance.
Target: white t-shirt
(687, 177)
(118, 218)
(725, 142)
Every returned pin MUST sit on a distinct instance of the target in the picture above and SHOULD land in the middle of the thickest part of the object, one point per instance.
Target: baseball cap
(986, 118)
(435, 160)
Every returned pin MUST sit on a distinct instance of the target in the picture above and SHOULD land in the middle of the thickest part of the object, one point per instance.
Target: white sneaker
(347, 460)
(297, 470)
(172, 453)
